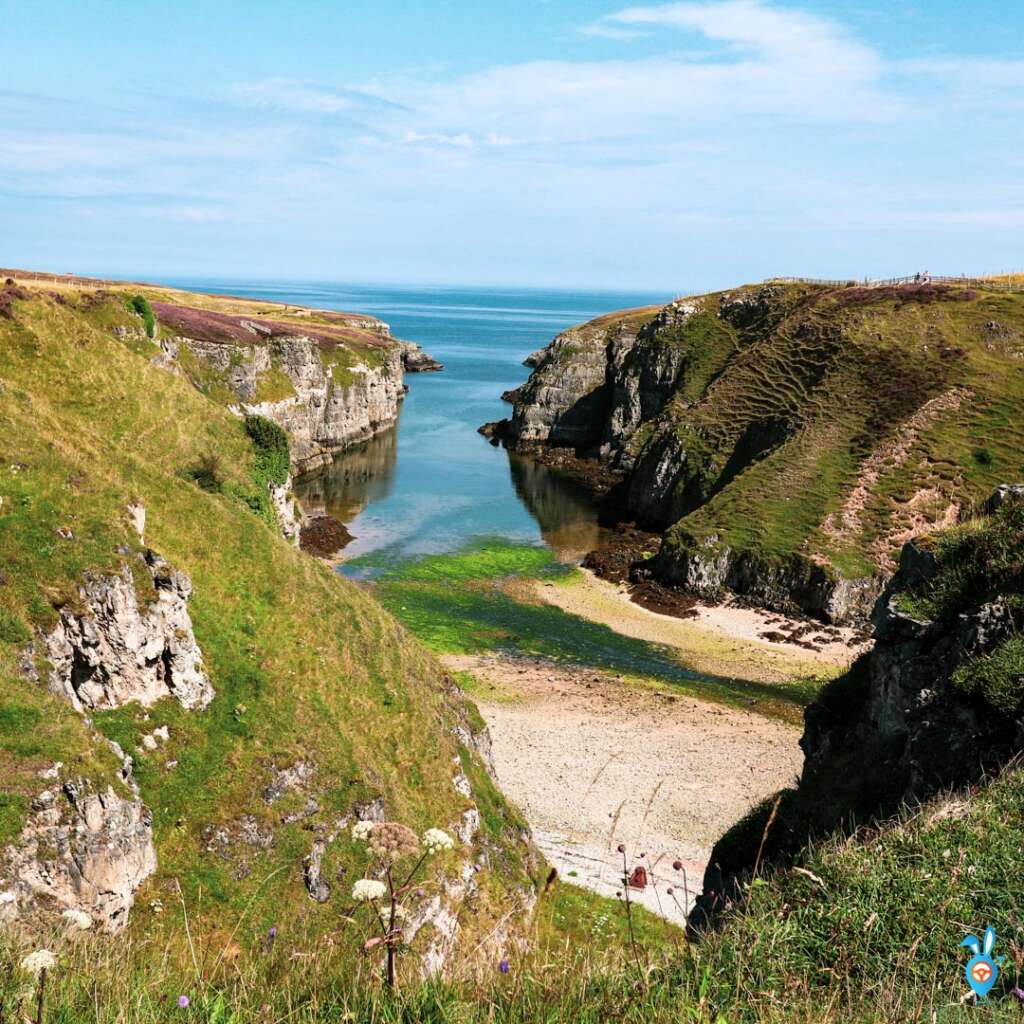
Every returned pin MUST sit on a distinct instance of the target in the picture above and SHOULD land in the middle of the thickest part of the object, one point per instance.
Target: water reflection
(355, 479)
(444, 499)
(563, 509)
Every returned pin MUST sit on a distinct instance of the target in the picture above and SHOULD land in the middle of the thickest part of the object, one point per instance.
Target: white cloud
(602, 30)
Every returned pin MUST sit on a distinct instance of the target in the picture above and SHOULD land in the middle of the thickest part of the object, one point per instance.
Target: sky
(674, 146)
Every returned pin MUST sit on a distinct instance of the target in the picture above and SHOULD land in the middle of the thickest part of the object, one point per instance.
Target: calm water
(433, 484)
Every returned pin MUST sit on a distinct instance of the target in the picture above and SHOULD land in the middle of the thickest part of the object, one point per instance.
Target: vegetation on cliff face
(810, 430)
(308, 671)
(936, 704)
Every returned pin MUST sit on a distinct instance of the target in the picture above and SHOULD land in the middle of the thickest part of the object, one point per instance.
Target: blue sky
(665, 146)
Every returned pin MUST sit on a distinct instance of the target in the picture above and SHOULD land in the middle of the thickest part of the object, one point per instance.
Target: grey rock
(1003, 494)
(286, 779)
(325, 415)
(415, 360)
(80, 850)
(107, 650)
(317, 886)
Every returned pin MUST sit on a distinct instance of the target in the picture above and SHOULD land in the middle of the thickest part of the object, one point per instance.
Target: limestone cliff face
(325, 403)
(128, 638)
(766, 431)
(80, 850)
(110, 648)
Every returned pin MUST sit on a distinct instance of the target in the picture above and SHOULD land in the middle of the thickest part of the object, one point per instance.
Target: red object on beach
(638, 880)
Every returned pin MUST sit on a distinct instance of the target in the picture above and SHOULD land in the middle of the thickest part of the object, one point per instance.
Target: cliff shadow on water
(565, 511)
(352, 481)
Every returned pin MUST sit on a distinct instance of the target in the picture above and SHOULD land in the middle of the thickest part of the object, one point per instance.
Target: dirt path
(594, 762)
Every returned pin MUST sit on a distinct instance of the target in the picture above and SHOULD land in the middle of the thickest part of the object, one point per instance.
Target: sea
(433, 484)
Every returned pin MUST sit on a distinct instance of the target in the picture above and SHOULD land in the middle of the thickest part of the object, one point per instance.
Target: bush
(997, 679)
(140, 304)
(208, 473)
(273, 458)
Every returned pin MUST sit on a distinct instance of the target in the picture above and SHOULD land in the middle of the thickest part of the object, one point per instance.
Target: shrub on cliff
(272, 453)
(140, 304)
(974, 565)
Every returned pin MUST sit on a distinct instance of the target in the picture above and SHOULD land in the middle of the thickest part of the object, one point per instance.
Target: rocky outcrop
(901, 726)
(565, 400)
(326, 398)
(128, 638)
(415, 360)
(711, 570)
(289, 518)
(937, 736)
(81, 850)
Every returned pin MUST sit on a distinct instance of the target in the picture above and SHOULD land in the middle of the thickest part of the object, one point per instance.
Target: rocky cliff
(938, 703)
(785, 439)
(330, 384)
(185, 726)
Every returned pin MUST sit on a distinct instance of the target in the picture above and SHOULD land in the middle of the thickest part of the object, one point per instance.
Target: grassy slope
(867, 930)
(840, 372)
(304, 664)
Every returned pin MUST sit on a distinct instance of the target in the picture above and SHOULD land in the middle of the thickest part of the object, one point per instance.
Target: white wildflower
(77, 919)
(435, 840)
(361, 831)
(367, 889)
(39, 961)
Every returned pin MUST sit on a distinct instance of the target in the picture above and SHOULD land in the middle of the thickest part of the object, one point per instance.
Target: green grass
(273, 385)
(457, 604)
(304, 665)
(975, 564)
(867, 930)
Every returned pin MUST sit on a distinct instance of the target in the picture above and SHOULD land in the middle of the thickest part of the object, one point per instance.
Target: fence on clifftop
(997, 283)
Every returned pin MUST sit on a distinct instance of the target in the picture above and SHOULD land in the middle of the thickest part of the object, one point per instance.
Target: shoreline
(662, 773)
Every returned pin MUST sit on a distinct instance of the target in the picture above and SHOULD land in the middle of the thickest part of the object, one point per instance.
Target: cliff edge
(784, 439)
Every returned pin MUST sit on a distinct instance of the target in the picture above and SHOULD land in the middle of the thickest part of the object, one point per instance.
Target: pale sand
(723, 640)
(594, 762)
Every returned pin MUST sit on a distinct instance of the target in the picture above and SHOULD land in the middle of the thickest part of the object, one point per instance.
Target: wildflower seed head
(361, 831)
(77, 919)
(391, 842)
(39, 961)
(367, 889)
(677, 865)
(436, 840)
(621, 848)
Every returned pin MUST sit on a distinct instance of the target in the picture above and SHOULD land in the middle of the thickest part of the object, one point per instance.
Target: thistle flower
(367, 889)
(77, 919)
(435, 840)
(361, 831)
(391, 841)
(39, 961)
(183, 1002)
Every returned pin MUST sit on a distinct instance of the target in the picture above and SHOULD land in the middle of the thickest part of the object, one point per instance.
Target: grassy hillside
(305, 666)
(865, 929)
(885, 412)
(806, 428)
